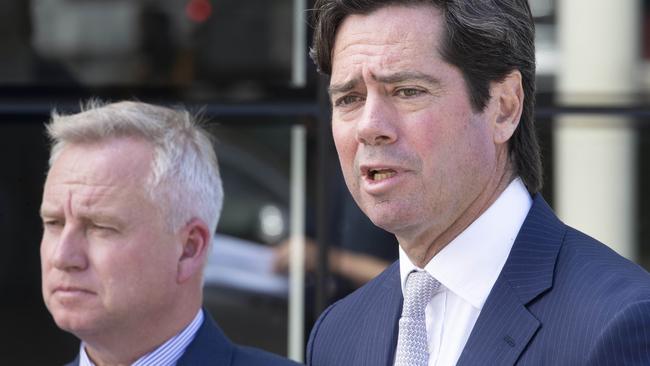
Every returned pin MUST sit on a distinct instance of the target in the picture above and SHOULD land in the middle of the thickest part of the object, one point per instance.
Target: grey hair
(184, 175)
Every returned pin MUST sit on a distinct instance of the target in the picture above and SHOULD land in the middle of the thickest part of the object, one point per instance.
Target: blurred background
(244, 65)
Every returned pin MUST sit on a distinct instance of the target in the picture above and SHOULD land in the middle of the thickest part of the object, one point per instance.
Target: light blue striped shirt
(165, 355)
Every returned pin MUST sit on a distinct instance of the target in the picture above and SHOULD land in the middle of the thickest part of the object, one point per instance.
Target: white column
(595, 180)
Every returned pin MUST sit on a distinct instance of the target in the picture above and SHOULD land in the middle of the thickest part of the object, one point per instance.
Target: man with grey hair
(130, 206)
(432, 117)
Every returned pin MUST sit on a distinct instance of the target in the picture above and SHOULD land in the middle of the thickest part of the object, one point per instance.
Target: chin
(396, 219)
(69, 325)
(68, 320)
(386, 220)
(74, 322)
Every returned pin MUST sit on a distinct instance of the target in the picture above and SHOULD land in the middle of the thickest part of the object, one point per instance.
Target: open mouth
(377, 175)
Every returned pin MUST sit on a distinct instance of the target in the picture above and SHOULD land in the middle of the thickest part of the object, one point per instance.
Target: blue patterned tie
(412, 345)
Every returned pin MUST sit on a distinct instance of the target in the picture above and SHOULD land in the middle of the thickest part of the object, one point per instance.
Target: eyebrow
(344, 87)
(397, 77)
(48, 211)
(402, 76)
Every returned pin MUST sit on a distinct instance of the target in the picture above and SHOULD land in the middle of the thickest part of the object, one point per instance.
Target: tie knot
(420, 287)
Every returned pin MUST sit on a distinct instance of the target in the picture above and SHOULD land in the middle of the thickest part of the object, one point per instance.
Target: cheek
(44, 255)
(47, 248)
(448, 146)
(118, 266)
(156, 263)
(474, 156)
(346, 146)
(125, 283)
(44, 272)
(343, 138)
(480, 141)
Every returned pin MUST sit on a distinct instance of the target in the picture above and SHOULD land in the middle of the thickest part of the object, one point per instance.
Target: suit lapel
(506, 326)
(379, 328)
(502, 331)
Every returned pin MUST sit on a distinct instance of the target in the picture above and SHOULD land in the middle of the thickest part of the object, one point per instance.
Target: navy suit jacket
(211, 347)
(562, 298)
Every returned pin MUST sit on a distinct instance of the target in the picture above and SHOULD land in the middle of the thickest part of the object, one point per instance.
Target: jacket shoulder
(249, 356)
(367, 313)
(597, 310)
(361, 299)
(388, 279)
(211, 347)
(583, 258)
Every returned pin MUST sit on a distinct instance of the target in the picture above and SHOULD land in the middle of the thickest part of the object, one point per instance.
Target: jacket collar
(210, 343)
(505, 325)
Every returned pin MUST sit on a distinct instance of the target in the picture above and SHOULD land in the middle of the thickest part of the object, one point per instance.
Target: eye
(101, 228)
(53, 223)
(409, 92)
(347, 100)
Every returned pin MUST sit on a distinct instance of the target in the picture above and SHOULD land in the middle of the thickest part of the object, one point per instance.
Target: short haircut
(184, 179)
(485, 39)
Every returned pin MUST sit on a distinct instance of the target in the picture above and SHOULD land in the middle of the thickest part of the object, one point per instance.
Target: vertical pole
(298, 59)
(296, 342)
(296, 338)
(323, 234)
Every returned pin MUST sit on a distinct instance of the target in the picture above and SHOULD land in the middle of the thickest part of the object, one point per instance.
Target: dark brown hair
(485, 39)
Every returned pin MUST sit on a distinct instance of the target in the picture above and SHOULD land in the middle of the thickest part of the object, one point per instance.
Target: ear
(508, 95)
(196, 239)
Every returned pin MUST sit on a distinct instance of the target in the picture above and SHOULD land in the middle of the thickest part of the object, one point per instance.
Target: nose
(68, 251)
(378, 122)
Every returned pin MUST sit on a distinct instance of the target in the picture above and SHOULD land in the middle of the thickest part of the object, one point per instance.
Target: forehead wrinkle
(392, 36)
(369, 58)
(80, 203)
(353, 31)
(360, 51)
(79, 199)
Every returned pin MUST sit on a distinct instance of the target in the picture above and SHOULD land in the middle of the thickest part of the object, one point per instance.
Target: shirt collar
(470, 264)
(166, 354)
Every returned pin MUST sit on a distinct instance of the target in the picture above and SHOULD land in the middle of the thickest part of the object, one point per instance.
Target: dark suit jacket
(562, 298)
(211, 347)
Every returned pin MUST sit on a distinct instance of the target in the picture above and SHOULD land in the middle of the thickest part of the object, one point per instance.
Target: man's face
(414, 154)
(108, 260)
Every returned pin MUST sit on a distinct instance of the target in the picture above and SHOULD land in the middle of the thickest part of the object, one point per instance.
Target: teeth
(377, 175)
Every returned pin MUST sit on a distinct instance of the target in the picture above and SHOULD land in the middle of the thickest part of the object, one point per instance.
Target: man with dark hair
(432, 116)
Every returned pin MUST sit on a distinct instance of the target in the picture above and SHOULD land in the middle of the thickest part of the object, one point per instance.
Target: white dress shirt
(167, 353)
(467, 269)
